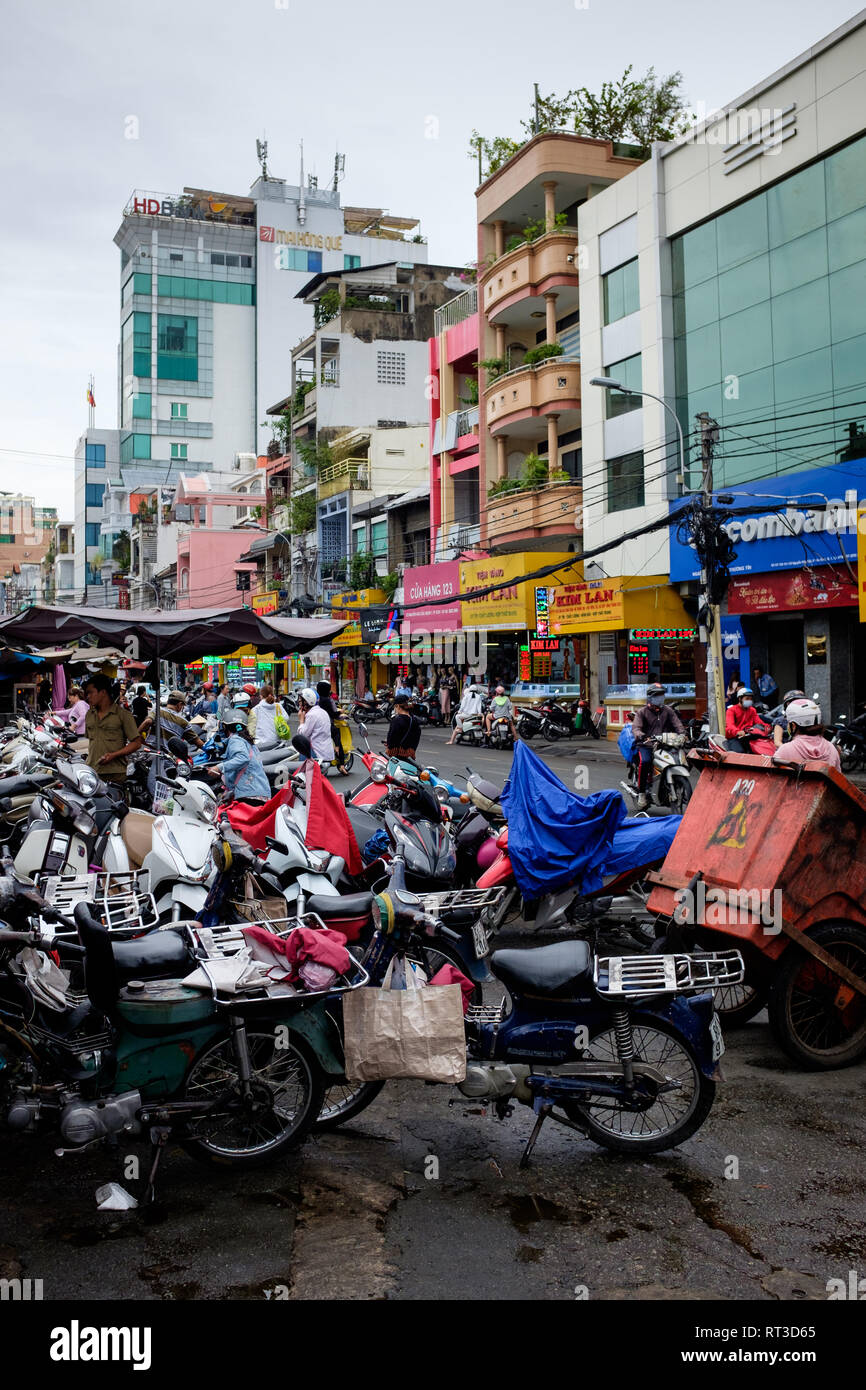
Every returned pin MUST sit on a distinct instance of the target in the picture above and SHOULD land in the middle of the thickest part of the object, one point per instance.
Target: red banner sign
(824, 586)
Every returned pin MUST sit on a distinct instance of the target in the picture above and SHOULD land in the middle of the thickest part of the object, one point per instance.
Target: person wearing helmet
(654, 719)
(262, 722)
(745, 730)
(807, 743)
(780, 721)
(404, 731)
(327, 703)
(471, 705)
(500, 708)
(173, 720)
(315, 724)
(242, 771)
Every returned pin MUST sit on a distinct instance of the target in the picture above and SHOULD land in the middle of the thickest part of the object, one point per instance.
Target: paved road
(421, 1197)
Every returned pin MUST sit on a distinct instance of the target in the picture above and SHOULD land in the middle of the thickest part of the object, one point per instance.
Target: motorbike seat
(346, 905)
(544, 970)
(27, 782)
(270, 756)
(136, 831)
(363, 824)
(160, 953)
(110, 964)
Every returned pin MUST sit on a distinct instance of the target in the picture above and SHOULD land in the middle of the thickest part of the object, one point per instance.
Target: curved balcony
(552, 510)
(551, 387)
(529, 271)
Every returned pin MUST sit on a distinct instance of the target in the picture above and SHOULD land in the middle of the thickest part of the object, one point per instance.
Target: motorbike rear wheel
(805, 1018)
(288, 1090)
(552, 731)
(670, 1118)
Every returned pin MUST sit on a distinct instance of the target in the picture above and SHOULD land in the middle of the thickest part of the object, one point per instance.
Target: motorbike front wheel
(288, 1088)
(345, 1100)
(665, 1119)
(681, 795)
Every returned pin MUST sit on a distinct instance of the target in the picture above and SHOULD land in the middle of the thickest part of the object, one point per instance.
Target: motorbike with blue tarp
(565, 855)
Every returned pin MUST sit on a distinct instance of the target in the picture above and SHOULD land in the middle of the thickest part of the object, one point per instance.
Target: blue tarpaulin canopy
(556, 837)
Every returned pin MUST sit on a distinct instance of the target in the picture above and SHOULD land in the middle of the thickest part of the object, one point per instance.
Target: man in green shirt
(112, 732)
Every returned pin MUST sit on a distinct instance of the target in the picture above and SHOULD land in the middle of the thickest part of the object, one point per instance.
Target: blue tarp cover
(556, 837)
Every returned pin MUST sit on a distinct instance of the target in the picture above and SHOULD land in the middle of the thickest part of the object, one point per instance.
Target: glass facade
(625, 482)
(141, 406)
(94, 455)
(135, 346)
(215, 291)
(621, 292)
(91, 533)
(134, 446)
(93, 494)
(770, 335)
(177, 348)
(628, 373)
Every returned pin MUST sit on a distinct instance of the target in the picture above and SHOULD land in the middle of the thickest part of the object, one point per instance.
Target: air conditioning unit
(244, 463)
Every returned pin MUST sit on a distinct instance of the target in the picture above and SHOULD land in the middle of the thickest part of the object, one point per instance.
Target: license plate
(479, 940)
(716, 1035)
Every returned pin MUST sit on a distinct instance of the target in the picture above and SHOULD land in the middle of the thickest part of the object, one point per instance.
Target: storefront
(793, 593)
(353, 666)
(507, 621)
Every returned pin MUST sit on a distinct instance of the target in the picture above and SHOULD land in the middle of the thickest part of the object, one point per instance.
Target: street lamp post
(711, 639)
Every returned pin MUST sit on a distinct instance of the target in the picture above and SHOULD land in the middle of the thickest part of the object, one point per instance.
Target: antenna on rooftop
(302, 204)
(262, 156)
(339, 170)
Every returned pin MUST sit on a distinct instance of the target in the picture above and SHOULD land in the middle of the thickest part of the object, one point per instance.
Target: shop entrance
(785, 653)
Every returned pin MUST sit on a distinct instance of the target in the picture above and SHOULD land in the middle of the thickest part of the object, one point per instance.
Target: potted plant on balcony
(559, 475)
(542, 353)
(494, 367)
(503, 486)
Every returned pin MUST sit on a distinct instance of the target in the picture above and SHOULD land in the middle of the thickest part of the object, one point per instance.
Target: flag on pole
(90, 399)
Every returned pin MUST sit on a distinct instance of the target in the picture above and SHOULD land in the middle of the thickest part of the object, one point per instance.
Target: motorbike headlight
(441, 793)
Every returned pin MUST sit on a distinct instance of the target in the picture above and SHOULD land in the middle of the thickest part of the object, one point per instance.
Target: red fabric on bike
(328, 825)
(255, 823)
(323, 945)
(450, 975)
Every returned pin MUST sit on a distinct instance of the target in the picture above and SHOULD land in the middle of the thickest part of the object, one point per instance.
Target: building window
(379, 538)
(246, 262)
(175, 255)
(217, 258)
(179, 451)
(7, 540)
(135, 345)
(141, 404)
(314, 262)
(628, 372)
(232, 260)
(625, 487)
(177, 348)
(214, 291)
(391, 368)
(134, 446)
(351, 262)
(93, 494)
(91, 533)
(621, 292)
(94, 454)
(179, 410)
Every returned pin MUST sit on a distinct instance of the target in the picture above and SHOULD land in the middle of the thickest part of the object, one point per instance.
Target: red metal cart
(772, 858)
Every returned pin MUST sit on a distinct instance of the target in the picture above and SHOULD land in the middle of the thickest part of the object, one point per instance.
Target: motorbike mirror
(363, 728)
(434, 771)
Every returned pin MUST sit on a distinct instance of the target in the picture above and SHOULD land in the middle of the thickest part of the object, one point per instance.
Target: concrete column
(549, 187)
(499, 330)
(499, 238)
(552, 444)
(501, 458)
(550, 317)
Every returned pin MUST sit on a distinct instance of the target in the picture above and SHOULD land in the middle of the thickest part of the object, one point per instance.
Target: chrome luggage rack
(227, 939)
(122, 901)
(485, 901)
(620, 977)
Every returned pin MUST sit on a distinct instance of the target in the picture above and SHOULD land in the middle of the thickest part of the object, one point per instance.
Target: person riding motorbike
(742, 717)
(470, 707)
(780, 722)
(315, 724)
(653, 719)
(328, 704)
(807, 742)
(404, 731)
(243, 774)
(500, 708)
(262, 721)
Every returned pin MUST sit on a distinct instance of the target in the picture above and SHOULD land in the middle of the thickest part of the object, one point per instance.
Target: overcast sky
(204, 78)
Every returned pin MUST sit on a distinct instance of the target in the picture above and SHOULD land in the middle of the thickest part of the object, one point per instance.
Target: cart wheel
(818, 1019)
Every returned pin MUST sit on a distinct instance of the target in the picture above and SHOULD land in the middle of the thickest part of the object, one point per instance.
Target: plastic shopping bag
(281, 725)
(625, 742)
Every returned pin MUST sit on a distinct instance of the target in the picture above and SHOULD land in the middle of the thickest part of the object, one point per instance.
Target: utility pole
(710, 633)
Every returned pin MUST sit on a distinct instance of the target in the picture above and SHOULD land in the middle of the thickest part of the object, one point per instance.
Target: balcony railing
(554, 509)
(539, 389)
(456, 425)
(523, 269)
(456, 310)
(345, 474)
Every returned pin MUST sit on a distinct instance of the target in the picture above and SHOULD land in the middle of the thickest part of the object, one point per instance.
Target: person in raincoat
(242, 771)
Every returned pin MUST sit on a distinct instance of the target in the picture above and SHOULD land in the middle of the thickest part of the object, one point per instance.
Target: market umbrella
(178, 635)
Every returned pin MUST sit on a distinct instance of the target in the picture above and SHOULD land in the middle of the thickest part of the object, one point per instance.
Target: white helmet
(309, 697)
(804, 713)
(241, 702)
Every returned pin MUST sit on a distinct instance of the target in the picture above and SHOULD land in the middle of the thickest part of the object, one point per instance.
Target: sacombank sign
(807, 518)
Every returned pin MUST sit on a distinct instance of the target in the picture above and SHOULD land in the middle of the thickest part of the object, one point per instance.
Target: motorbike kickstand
(543, 1112)
(159, 1137)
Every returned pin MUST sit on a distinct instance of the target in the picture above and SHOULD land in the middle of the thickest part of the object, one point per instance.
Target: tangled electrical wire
(702, 527)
